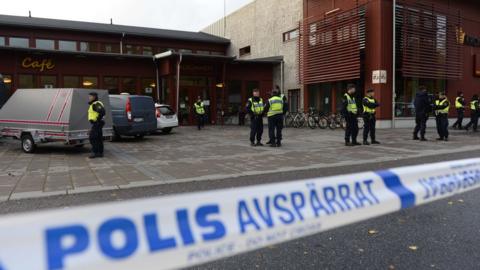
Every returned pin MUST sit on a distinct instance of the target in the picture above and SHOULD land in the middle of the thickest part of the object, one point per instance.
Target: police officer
(422, 105)
(199, 112)
(474, 111)
(369, 106)
(460, 107)
(442, 105)
(255, 108)
(3, 92)
(96, 113)
(350, 112)
(275, 109)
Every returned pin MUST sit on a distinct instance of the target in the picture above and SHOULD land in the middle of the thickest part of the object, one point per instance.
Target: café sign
(38, 64)
(465, 39)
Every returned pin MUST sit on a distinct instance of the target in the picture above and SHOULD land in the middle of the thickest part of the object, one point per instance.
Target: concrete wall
(261, 25)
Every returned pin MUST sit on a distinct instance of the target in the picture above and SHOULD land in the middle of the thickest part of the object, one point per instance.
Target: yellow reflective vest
(352, 104)
(199, 108)
(256, 107)
(367, 109)
(473, 105)
(458, 104)
(92, 114)
(439, 102)
(276, 106)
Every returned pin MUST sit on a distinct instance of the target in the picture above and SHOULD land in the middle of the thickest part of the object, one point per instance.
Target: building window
(290, 35)
(7, 80)
(133, 49)
(45, 44)
(148, 86)
(48, 81)
(88, 46)
(147, 50)
(129, 85)
(64, 45)
(111, 84)
(26, 81)
(294, 100)
(71, 81)
(2, 41)
(244, 51)
(90, 82)
(19, 42)
(185, 51)
(111, 48)
(203, 52)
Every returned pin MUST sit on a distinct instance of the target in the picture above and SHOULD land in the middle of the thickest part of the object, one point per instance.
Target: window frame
(287, 36)
(247, 50)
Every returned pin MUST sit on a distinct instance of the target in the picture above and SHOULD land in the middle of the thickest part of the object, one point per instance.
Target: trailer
(36, 116)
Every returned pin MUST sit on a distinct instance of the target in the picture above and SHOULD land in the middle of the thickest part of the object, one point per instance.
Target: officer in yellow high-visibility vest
(441, 107)
(275, 109)
(474, 111)
(350, 112)
(199, 112)
(255, 107)
(460, 107)
(369, 107)
(96, 113)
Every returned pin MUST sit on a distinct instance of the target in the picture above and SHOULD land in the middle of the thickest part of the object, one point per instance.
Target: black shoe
(375, 142)
(446, 139)
(439, 139)
(92, 156)
(365, 143)
(415, 138)
(348, 144)
(279, 144)
(269, 142)
(423, 140)
(356, 143)
(100, 155)
(259, 144)
(273, 145)
(252, 144)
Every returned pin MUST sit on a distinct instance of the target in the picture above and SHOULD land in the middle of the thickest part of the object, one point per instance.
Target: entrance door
(187, 97)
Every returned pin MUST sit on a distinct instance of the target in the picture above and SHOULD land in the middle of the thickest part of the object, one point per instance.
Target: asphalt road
(441, 235)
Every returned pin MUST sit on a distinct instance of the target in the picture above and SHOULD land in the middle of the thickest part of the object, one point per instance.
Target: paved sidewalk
(190, 155)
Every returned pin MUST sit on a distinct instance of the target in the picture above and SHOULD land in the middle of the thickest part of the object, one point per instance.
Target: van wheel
(28, 144)
(139, 136)
(166, 130)
(115, 137)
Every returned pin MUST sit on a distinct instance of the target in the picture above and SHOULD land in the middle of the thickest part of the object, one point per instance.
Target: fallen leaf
(460, 201)
(391, 267)
(413, 247)
(305, 252)
(361, 250)
(372, 231)
(450, 203)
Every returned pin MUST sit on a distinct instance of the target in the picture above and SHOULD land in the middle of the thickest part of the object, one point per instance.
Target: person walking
(275, 109)
(96, 114)
(350, 112)
(442, 106)
(369, 108)
(255, 107)
(200, 112)
(422, 105)
(474, 111)
(460, 107)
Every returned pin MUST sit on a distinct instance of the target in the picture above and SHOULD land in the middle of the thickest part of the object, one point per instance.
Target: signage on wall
(41, 65)
(148, 90)
(476, 65)
(468, 40)
(379, 77)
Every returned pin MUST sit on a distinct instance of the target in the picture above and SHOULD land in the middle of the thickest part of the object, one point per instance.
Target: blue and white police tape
(184, 230)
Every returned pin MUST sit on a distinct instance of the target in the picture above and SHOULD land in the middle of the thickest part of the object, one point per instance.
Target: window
(48, 81)
(71, 81)
(245, 51)
(129, 85)
(147, 50)
(111, 48)
(45, 44)
(234, 98)
(88, 46)
(290, 35)
(64, 45)
(185, 51)
(90, 82)
(19, 42)
(133, 49)
(111, 84)
(7, 80)
(2, 41)
(26, 81)
(203, 52)
(148, 86)
(294, 100)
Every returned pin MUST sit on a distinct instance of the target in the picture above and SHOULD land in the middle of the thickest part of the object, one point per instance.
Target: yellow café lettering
(44, 64)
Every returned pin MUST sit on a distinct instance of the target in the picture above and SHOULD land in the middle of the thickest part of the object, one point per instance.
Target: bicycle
(316, 119)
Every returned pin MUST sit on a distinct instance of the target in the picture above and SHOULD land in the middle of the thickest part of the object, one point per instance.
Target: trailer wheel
(28, 144)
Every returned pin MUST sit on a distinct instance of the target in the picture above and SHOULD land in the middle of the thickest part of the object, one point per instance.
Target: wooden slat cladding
(329, 46)
(427, 45)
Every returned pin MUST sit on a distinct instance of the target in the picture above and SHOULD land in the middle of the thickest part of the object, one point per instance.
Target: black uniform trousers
(420, 125)
(96, 137)
(473, 121)
(351, 130)
(275, 126)
(256, 128)
(200, 121)
(460, 115)
(369, 121)
(442, 125)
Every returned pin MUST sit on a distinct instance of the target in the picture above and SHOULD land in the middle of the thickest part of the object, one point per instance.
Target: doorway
(187, 97)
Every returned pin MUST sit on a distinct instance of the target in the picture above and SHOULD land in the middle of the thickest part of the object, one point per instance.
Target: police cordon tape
(184, 230)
